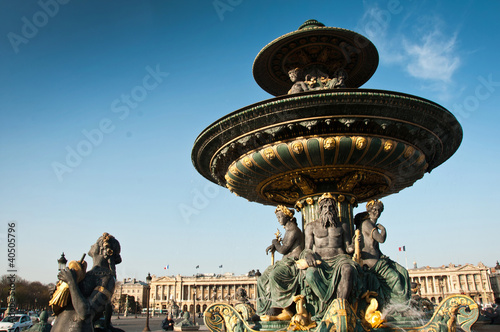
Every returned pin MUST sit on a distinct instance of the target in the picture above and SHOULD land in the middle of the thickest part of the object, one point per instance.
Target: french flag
(402, 248)
(166, 267)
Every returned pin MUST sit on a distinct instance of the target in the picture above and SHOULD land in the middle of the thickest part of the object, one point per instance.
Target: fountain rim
(224, 118)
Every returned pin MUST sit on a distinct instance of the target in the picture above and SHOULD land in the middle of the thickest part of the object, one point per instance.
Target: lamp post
(61, 262)
(120, 301)
(194, 305)
(148, 280)
(441, 284)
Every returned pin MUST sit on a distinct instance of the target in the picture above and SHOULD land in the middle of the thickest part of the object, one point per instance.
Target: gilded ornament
(329, 143)
(361, 143)
(297, 147)
(247, 161)
(349, 181)
(340, 198)
(353, 200)
(420, 159)
(298, 206)
(325, 195)
(228, 179)
(374, 202)
(305, 185)
(233, 169)
(409, 151)
(285, 210)
(388, 145)
(309, 201)
(269, 153)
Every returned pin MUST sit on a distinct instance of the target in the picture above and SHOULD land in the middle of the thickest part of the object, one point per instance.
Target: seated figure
(279, 283)
(185, 320)
(331, 273)
(384, 276)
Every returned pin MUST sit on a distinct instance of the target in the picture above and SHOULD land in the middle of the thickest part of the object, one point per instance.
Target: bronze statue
(186, 321)
(92, 294)
(313, 78)
(384, 276)
(418, 302)
(42, 325)
(327, 240)
(297, 79)
(280, 282)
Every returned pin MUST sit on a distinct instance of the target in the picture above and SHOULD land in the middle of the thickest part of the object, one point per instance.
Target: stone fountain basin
(362, 142)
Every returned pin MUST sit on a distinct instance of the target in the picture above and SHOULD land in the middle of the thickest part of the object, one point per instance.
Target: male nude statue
(279, 282)
(328, 240)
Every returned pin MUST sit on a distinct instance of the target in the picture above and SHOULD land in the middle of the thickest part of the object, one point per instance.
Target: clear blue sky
(130, 84)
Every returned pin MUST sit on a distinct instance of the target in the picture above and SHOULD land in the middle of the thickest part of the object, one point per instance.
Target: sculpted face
(328, 214)
(328, 205)
(282, 218)
(293, 75)
(94, 250)
(374, 211)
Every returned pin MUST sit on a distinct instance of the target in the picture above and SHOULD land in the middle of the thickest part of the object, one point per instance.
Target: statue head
(284, 214)
(109, 248)
(44, 316)
(241, 295)
(295, 74)
(374, 208)
(328, 215)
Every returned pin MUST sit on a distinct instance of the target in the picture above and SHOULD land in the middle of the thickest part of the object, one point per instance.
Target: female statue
(90, 296)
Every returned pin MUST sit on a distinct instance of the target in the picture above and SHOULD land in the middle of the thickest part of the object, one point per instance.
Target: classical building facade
(437, 283)
(199, 291)
(495, 279)
(131, 287)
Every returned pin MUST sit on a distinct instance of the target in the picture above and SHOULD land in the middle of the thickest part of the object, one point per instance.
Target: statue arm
(309, 243)
(87, 308)
(80, 303)
(288, 243)
(379, 237)
(271, 249)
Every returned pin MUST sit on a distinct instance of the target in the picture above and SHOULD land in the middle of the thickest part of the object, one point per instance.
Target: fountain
(324, 137)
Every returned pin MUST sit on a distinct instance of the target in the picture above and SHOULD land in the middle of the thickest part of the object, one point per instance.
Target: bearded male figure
(331, 272)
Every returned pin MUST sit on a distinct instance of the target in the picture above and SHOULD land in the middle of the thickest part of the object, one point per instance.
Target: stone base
(187, 328)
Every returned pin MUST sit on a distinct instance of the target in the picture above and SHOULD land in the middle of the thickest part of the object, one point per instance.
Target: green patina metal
(457, 309)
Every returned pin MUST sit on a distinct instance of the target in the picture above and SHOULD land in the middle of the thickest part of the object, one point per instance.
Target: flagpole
(406, 258)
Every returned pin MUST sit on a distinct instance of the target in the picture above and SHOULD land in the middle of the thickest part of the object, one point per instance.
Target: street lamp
(194, 305)
(61, 262)
(148, 280)
(120, 301)
(441, 284)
